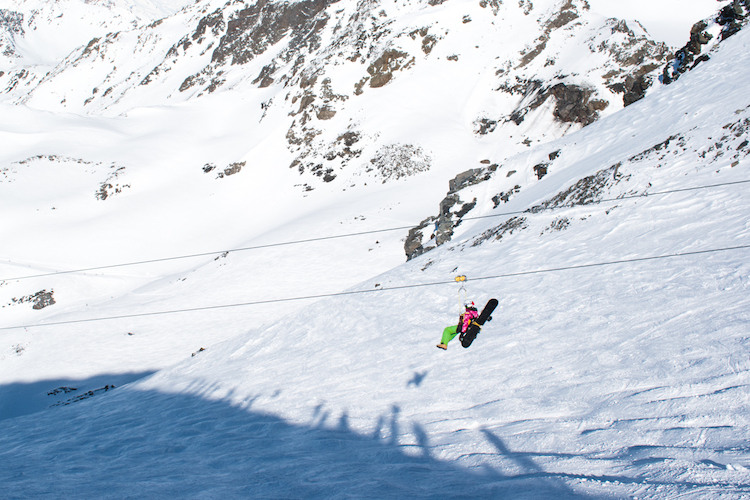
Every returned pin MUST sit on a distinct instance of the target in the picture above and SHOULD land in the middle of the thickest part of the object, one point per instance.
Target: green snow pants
(449, 333)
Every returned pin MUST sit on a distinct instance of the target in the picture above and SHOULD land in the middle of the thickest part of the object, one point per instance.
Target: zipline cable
(361, 233)
(383, 289)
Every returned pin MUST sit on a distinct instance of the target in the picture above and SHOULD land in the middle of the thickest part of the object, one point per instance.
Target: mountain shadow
(23, 398)
(131, 444)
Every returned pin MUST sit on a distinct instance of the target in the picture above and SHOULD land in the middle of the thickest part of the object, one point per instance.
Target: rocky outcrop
(232, 168)
(253, 29)
(573, 104)
(630, 60)
(11, 25)
(452, 212)
(568, 12)
(381, 70)
(79, 397)
(110, 186)
(40, 299)
(505, 196)
(685, 58)
(731, 18)
(584, 192)
(635, 88)
(484, 126)
(454, 209)
(250, 31)
(506, 228)
(11, 21)
(394, 161)
(316, 57)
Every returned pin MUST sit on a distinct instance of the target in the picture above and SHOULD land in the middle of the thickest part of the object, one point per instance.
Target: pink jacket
(466, 319)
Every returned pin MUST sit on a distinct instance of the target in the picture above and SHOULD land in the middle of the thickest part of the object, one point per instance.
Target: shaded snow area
(181, 319)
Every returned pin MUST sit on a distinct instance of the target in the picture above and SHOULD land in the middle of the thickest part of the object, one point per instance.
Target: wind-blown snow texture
(616, 366)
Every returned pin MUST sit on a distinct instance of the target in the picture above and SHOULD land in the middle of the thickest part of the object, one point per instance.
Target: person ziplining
(470, 321)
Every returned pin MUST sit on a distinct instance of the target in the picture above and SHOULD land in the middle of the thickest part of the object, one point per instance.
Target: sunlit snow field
(617, 364)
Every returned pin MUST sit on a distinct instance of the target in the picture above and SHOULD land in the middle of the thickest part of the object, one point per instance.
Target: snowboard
(471, 333)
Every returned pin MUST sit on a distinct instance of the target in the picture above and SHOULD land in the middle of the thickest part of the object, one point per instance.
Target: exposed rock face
(40, 299)
(732, 18)
(413, 244)
(635, 89)
(505, 196)
(11, 21)
(493, 4)
(79, 397)
(684, 59)
(251, 31)
(231, 169)
(568, 13)
(586, 191)
(381, 71)
(325, 113)
(11, 24)
(573, 104)
(540, 170)
(637, 58)
(452, 211)
(484, 126)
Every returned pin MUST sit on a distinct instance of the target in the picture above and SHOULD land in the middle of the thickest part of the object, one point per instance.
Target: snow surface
(601, 380)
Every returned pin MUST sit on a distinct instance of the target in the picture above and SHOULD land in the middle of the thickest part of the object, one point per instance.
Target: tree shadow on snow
(131, 444)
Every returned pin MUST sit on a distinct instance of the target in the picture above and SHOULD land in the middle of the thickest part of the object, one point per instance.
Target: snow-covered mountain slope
(324, 144)
(470, 192)
(356, 85)
(616, 366)
(212, 45)
(38, 34)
